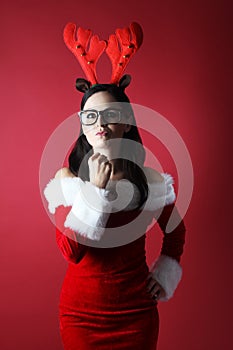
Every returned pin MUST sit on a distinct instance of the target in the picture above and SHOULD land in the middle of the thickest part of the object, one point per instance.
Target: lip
(101, 133)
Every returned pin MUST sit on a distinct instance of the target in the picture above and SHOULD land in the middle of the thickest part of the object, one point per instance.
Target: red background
(183, 72)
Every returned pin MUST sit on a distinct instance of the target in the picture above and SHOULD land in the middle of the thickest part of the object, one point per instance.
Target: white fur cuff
(167, 272)
(61, 192)
(90, 211)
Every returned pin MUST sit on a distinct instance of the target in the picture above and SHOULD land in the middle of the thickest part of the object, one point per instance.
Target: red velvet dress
(104, 302)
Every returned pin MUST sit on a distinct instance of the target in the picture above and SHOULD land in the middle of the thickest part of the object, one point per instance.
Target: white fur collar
(63, 191)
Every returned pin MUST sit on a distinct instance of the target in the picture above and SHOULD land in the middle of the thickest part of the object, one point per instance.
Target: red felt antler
(121, 47)
(79, 47)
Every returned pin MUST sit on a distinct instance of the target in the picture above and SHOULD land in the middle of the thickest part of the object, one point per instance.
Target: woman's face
(99, 133)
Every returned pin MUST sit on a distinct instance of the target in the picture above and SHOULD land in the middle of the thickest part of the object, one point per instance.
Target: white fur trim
(90, 211)
(91, 205)
(160, 193)
(61, 191)
(167, 272)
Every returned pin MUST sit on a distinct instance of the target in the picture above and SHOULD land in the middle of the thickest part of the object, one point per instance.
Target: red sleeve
(173, 242)
(72, 250)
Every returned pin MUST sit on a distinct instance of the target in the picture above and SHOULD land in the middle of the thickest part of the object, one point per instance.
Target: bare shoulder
(63, 172)
(153, 175)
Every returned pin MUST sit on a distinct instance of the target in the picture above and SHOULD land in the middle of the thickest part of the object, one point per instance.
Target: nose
(100, 120)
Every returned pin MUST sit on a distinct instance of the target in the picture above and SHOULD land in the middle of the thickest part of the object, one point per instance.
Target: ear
(82, 85)
(127, 128)
(125, 81)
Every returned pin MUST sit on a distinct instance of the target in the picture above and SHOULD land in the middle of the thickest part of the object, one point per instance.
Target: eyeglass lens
(89, 117)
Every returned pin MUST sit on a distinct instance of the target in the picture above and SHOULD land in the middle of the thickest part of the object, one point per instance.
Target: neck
(117, 168)
(110, 152)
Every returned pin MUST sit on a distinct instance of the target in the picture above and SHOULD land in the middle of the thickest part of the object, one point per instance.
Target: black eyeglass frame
(99, 113)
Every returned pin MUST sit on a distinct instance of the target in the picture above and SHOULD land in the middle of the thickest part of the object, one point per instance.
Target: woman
(109, 295)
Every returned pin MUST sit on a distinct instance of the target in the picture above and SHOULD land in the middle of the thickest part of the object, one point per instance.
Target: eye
(90, 115)
(111, 113)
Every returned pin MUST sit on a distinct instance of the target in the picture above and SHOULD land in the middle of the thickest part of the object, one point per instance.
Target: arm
(89, 205)
(166, 270)
(66, 239)
(173, 242)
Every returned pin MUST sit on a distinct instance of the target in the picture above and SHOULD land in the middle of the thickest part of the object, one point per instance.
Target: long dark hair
(133, 157)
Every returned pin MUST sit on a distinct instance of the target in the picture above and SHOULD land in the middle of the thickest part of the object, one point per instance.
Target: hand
(154, 287)
(99, 169)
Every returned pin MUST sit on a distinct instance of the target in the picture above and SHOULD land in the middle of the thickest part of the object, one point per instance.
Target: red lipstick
(101, 133)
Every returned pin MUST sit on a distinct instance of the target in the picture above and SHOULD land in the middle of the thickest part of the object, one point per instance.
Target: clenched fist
(99, 169)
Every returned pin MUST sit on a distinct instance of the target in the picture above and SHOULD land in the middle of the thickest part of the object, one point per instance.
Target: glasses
(110, 116)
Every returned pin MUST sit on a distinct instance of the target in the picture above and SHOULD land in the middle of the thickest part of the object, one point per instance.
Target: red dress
(104, 303)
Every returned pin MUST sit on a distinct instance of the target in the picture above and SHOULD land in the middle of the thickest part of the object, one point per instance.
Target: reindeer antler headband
(120, 48)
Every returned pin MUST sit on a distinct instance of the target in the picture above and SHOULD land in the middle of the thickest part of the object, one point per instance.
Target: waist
(106, 291)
